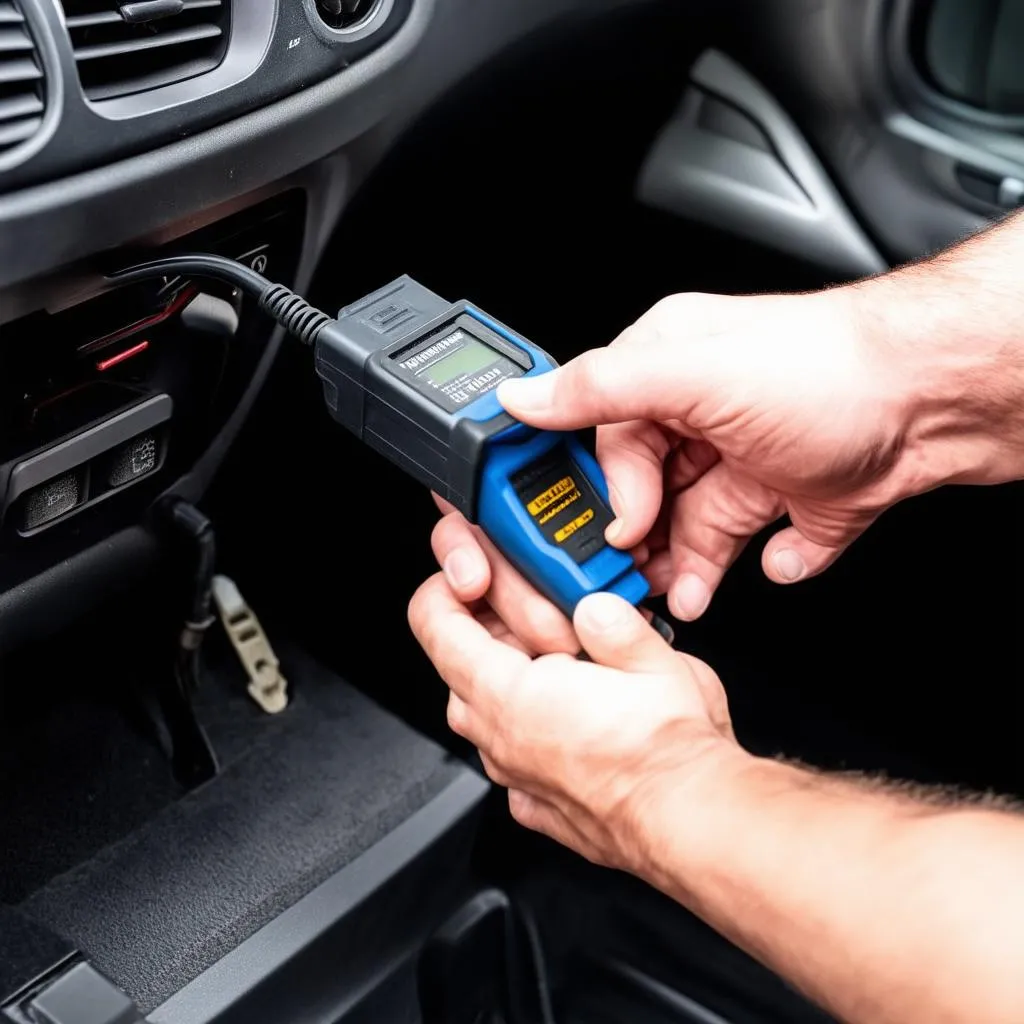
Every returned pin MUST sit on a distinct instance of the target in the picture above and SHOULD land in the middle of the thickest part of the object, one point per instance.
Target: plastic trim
(51, 225)
(49, 58)
(915, 86)
(88, 445)
(943, 131)
(780, 196)
(354, 33)
(252, 28)
(221, 986)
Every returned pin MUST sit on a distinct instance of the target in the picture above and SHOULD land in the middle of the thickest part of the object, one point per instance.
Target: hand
(581, 746)
(478, 573)
(719, 415)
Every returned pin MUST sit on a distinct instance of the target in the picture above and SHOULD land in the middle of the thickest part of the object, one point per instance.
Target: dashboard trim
(49, 57)
(53, 225)
(380, 13)
(252, 29)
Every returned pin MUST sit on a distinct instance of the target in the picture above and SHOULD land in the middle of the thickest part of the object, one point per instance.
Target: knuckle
(456, 715)
(501, 747)
(830, 526)
(666, 313)
(669, 306)
(522, 809)
(415, 612)
(493, 770)
(419, 611)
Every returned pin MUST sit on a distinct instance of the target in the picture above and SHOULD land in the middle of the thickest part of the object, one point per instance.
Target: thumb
(616, 635)
(605, 385)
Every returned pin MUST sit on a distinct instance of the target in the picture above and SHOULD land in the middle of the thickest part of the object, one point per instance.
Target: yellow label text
(558, 509)
(577, 524)
(551, 495)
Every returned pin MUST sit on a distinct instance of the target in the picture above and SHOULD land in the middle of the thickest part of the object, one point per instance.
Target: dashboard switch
(53, 499)
(134, 460)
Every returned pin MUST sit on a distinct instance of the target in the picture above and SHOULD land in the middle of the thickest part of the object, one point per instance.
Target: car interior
(194, 833)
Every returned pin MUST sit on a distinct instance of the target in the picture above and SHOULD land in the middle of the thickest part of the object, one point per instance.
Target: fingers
(540, 816)
(632, 456)
(606, 385)
(465, 654)
(460, 717)
(616, 635)
(712, 522)
(474, 569)
(459, 553)
(791, 557)
(642, 460)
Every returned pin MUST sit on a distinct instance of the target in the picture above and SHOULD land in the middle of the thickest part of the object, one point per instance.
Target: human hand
(719, 415)
(581, 746)
(478, 573)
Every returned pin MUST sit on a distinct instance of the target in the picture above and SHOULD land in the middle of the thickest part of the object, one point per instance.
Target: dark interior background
(902, 658)
(905, 658)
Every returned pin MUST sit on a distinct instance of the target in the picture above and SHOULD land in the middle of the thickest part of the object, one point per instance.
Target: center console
(107, 399)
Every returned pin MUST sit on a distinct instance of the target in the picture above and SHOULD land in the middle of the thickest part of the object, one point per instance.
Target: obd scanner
(415, 378)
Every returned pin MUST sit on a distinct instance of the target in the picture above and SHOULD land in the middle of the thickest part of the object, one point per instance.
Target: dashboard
(129, 130)
(135, 129)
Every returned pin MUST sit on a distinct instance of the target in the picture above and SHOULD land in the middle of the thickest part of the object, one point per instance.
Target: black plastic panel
(297, 53)
(311, 857)
(49, 366)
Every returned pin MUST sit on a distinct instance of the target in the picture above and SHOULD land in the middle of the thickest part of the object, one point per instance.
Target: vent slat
(9, 14)
(116, 57)
(18, 131)
(15, 40)
(22, 81)
(24, 69)
(24, 105)
(91, 19)
(178, 37)
(80, 21)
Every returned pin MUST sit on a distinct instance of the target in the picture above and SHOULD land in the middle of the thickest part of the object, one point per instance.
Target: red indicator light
(129, 353)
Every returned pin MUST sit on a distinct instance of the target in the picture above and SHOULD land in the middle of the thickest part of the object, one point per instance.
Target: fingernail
(614, 532)
(692, 597)
(790, 565)
(461, 569)
(535, 393)
(602, 611)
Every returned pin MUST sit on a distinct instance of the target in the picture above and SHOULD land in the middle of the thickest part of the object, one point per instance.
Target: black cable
(528, 923)
(198, 265)
(291, 311)
(194, 525)
(192, 754)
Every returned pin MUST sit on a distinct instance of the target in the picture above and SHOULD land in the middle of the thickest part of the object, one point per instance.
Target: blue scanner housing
(416, 379)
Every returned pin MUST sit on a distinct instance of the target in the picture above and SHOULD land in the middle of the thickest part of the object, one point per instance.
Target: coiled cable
(291, 311)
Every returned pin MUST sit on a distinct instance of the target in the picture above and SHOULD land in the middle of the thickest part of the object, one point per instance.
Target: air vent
(132, 47)
(344, 14)
(21, 79)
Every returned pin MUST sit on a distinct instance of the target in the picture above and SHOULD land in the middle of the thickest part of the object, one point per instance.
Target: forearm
(882, 907)
(952, 330)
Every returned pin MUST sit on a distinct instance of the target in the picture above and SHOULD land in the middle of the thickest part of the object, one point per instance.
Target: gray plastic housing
(732, 158)
(366, 396)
